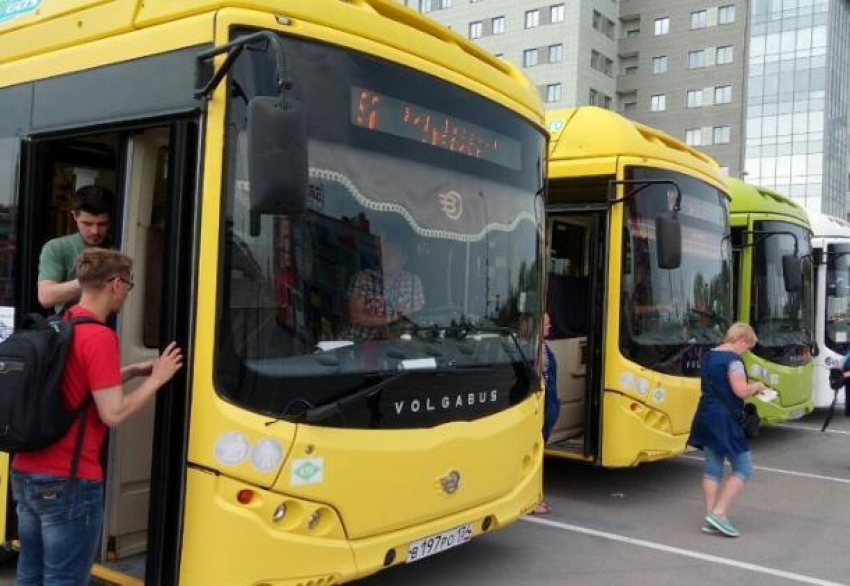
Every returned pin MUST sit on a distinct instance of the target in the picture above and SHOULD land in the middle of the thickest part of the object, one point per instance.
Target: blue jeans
(742, 465)
(59, 528)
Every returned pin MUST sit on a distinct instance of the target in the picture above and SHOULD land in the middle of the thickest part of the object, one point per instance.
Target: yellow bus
(630, 313)
(276, 165)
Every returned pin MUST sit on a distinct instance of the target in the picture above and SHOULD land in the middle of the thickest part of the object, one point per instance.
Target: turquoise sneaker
(706, 528)
(722, 524)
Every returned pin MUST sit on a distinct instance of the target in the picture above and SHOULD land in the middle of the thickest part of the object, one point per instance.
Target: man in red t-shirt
(59, 517)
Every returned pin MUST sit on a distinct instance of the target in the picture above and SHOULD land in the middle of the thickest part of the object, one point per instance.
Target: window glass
(530, 57)
(669, 316)
(659, 64)
(498, 25)
(696, 59)
(662, 26)
(407, 251)
(532, 18)
(475, 29)
(658, 103)
(783, 319)
(556, 53)
(698, 19)
(556, 13)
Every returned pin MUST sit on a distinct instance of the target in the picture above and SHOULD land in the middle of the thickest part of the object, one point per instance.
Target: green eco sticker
(10, 9)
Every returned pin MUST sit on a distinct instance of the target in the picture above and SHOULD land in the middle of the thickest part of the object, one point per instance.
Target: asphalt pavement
(641, 526)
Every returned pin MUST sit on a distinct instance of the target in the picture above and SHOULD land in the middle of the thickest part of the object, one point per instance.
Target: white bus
(831, 249)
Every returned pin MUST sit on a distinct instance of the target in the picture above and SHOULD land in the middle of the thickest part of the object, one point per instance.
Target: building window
(698, 19)
(662, 26)
(696, 59)
(532, 18)
(475, 29)
(498, 23)
(658, 103)
(597, 98)
(553, 93)
(556, 13)
(723, 94)
(632, 32)
(629, 106)
(724, 55)
(530, 58)
(722, 134)
(556, 53)
(603, 24)
(432, 5)
(726, 14)
(694, 99)
(601, 63)
(693, 136)
(724, 169)
(659, 64)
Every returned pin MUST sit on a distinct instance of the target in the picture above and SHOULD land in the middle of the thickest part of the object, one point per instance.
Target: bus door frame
(170, 447)
(598, 272)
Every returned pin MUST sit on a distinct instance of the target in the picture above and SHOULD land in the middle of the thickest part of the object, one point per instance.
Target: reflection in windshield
(407, 254)
(838, 298)
(782, 319)
(668, 315)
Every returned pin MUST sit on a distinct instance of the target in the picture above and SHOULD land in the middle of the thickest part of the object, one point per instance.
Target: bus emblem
(450, 482)
(452, 204)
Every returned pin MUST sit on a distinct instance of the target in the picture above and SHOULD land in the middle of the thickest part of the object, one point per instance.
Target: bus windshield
(669, 315)
(420, 252)
(782, 319)
(838, 298)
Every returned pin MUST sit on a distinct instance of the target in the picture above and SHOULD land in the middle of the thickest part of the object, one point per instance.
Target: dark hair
(97, 266)
(93, 199)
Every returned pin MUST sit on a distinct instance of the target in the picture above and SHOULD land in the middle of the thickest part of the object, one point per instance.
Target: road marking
(805, 428)
(684, 552)
(788, 472)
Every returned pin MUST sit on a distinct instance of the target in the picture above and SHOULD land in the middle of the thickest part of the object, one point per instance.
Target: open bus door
(575, 302)
(151, 169)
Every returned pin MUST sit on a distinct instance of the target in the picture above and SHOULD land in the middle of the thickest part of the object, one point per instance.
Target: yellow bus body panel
(372, 489)
(645, 415)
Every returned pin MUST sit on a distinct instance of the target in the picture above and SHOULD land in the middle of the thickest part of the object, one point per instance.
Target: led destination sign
(380, 113)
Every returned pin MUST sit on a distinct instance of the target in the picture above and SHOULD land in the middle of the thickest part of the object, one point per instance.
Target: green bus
(772, 256)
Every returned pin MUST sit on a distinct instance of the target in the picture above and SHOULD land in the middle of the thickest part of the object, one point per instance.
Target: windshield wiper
(467, 328)
(336, 408)
(675, 354)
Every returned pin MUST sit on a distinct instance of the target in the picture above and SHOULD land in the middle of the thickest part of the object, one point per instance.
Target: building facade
(797, 100)
(682, 71)
(567, 47)
(760, 85)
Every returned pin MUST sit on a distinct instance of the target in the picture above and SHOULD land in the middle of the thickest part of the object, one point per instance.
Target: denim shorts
(742, 465)
(59, 527)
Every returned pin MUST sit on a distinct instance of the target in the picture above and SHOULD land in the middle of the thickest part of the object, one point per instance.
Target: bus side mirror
(668, 235)
(814, 349)
(792, 272)
(277, 156)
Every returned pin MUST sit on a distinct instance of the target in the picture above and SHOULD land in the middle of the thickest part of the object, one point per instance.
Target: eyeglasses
(130, 284)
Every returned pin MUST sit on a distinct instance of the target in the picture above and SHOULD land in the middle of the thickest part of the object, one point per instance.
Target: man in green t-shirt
(57, 283)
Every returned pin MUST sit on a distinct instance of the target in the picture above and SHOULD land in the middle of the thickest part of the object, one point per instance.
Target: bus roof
(591, 132)
(35, 27)
(749, 199)
(828, 227)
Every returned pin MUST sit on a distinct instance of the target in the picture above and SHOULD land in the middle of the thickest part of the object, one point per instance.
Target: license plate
(438, 543)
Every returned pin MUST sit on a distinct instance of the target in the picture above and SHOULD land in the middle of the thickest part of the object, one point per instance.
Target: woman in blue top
(717, 432)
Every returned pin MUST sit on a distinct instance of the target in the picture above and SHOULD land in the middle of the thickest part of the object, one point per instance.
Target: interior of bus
(134, 165)
(577, 240)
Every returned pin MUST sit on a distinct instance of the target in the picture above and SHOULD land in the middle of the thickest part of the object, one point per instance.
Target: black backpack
(33, 414)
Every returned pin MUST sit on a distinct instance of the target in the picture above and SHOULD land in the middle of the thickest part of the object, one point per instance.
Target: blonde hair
(740, 330)
(97, 266)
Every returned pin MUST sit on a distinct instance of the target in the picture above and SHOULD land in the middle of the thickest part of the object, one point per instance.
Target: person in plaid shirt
(377, 299)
